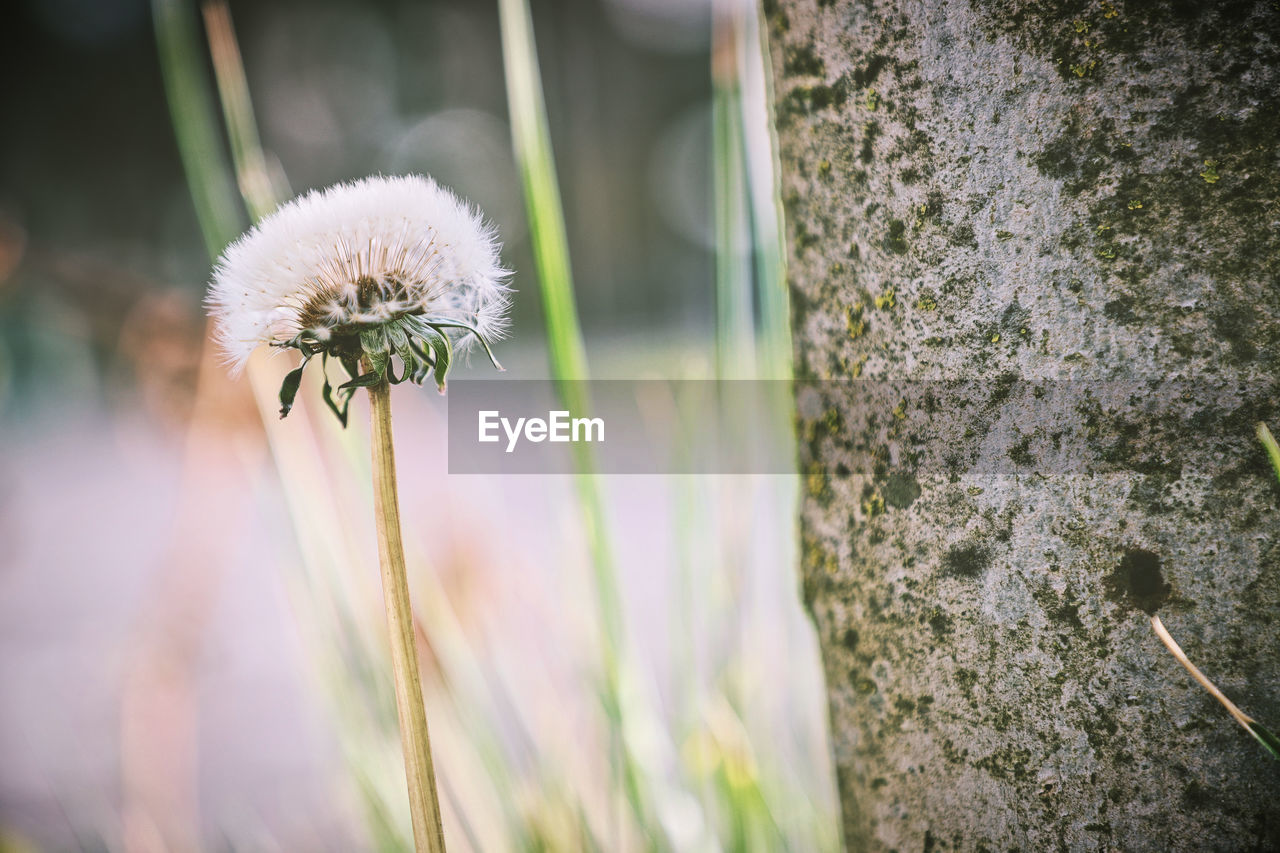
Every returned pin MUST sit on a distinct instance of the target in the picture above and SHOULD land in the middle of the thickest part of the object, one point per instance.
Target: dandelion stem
(424, 802)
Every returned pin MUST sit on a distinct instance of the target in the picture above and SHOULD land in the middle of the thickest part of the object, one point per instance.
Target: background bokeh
(181, 663)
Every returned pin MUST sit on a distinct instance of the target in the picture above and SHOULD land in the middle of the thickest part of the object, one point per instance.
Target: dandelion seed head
(336, 261)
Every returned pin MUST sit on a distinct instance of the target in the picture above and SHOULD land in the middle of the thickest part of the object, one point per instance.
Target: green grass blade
(532, 143)
(1264, 736)
(765, 199)
(1273, 449)
(735, 322)
(262, 188)
(199, 141)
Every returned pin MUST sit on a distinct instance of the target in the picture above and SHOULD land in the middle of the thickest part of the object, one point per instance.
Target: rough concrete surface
(1088, 194)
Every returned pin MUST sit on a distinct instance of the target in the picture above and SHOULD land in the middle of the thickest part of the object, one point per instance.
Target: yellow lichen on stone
(854, 322)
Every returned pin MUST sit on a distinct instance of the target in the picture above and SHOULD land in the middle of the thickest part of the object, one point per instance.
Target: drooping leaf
(1265, 737)
(379, 362)
(289, 388)
(374, 341)
(389, 368)
(340, 412)
(402, 347)
(424, 361)
(443, 349)
(364, 380)
(450, 323)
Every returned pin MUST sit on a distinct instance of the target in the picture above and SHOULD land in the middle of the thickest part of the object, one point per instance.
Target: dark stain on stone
(1234, 326)
(940, 623)
(850, 639)
(896, 241)
(1138, 581)
(963, 235)
(1196, 796)
(867, 76)
(806, 100)
(802, 60)
(1069, 614)
(900, 490)
(967, 560)
(1120, 310)
(1020, 452)
(1014, 319)
(867, 152)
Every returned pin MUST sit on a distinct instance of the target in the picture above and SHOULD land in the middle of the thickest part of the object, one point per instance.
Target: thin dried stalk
(424, 802)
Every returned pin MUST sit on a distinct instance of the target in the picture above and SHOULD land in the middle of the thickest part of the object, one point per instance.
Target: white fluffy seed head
(356, 255)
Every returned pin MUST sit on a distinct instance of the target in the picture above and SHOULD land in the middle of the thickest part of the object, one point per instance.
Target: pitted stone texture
(1053, 190)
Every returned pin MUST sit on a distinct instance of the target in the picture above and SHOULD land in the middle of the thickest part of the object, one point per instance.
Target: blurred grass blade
(532, 141)
(261, 187)
(735, 321)
(753, 325)
(761, 148)
(640, 743)
(199, 142)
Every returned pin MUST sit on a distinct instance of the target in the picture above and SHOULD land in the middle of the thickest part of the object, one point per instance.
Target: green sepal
(391, 372)
(402, 347)
(289, 389)
(438, 323)
(364, 380)
(424, 361)
(379, 361)
(1264, 736)
(443, 349)
(374, 342)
